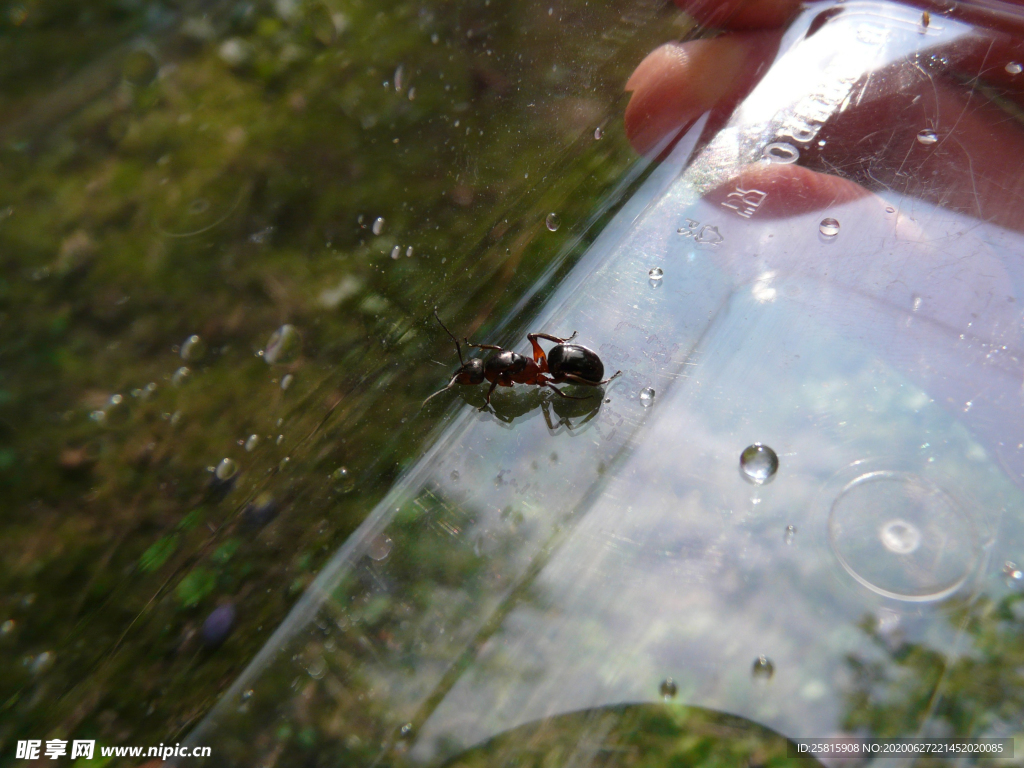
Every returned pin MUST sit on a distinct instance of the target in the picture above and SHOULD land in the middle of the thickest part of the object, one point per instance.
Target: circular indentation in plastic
(780, 152)
(902, 537)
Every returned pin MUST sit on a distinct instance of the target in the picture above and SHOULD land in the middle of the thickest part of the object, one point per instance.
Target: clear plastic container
(834, 273)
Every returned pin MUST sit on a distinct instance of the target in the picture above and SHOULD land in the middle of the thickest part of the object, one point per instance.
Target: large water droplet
(790, 534)
(226, 469)
(252, 442)
(379, 547)
(647, 397)
(927, 136)
(1014, 67)
(758, 463)
(668, 688)
(655, 275)
(378, 225)
(552, 222)
(599, 133)
(396, 252)
(283, 346)
(829, 227)
(193, 349)
(763, 669)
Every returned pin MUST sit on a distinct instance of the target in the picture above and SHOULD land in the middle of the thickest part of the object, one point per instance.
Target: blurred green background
(221, 170)
(224, 226)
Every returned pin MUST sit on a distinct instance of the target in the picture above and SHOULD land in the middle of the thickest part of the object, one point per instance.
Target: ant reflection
(560, 414)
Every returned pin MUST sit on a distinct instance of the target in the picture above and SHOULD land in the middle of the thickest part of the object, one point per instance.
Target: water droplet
(252, 442)
(552, 222)
(343, 480)
(43, 662)
(668, 688)
(283, 346)
(317, 668)
(1014, 67)
(655, 275)
(379, 547)
(226, 469)
(890, 209)
(829, 227)
(98, 416)
(781, 152)
(647, 397)
(1013, 574)
(180, 376)
(378, 225)
(406, 729)
(599, 133)
(408, 252)
(193, 349)
(218, 625)
(7, 627)
(899, 537)
(399, 78)
(412, 94)
(286, 380)
(927, 136)
(763, 669)
(396, 252)
(435, 38)
(454, 475)
(247, 694)
(790, 534)
(758, 464)
(140, 68)
(916, 303)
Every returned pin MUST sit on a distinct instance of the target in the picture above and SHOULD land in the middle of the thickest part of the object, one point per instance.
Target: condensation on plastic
(574, 556)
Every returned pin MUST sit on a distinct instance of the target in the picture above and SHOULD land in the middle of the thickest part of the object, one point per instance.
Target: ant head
(471, 372)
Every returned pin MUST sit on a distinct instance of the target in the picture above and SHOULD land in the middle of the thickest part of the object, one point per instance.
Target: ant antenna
(451, 384)
(457, 347)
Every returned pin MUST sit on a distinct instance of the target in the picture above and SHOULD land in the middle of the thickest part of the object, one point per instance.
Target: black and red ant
(564, 364)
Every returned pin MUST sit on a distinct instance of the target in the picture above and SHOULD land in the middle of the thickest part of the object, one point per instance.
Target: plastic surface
(550, 556)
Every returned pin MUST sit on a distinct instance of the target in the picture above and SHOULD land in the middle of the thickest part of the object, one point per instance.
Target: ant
(564, 364)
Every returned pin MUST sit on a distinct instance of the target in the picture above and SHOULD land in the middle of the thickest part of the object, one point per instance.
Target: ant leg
(560, 392)
(489, 391)
(547, 415)
(549, 337)
(483, 346)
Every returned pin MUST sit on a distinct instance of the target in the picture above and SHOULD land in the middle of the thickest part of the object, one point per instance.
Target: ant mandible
(564, 364)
